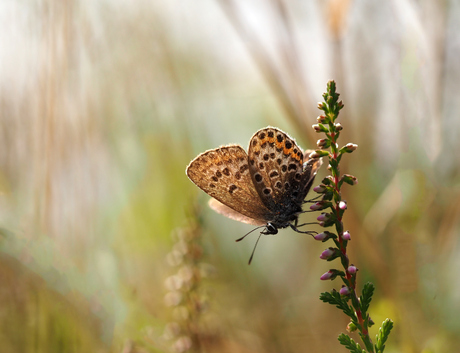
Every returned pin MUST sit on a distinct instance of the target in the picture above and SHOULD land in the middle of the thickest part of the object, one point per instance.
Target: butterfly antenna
(254, 250)
(244, 236)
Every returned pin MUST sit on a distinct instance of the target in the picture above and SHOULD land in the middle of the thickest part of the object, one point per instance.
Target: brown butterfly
(264, 187)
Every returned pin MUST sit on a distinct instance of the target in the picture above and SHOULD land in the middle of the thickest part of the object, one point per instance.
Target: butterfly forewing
(275, 164)
(223, 173)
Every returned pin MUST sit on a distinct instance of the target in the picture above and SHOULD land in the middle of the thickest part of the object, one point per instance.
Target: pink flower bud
(343, 205)
(352, 269)
(316, 127)
(320, 205)
(327, 275)
(346, 235)
(320, 236)
(326, 254)
(324, 217)
(322, 143)
(316, 206)
(320, 189)
(344, 290)
(351, 147)
(348, 148)
(320, 105)
(321, 119)
(319, 153)
(338, 126)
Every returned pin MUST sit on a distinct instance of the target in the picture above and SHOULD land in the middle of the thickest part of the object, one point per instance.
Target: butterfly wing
(310, 168)
(276, 167)
(226, 211)
(315, 163)
(223, 173)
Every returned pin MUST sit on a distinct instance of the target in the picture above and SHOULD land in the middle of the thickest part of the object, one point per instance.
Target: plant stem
(339, 226)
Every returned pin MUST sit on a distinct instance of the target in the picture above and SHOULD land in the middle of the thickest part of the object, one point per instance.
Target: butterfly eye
(271, 229)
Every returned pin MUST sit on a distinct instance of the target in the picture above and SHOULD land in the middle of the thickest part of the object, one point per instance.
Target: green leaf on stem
(319, 153)
(367, 342)
(334, 298)
(351, 345)
(383, 334)
(366, 297)
(327, 181)
(333, 163)
(320, 128)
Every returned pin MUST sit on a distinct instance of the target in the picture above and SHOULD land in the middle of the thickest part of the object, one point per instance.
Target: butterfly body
(265, 187)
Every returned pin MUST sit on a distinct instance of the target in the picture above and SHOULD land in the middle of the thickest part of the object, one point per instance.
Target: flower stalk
(333, 208)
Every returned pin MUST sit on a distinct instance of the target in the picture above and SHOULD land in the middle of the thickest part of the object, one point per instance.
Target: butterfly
(265, 187)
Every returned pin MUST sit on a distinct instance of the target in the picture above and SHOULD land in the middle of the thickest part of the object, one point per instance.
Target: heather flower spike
(334, 209)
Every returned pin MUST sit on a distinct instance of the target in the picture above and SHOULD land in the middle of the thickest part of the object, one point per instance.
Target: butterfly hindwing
(226, 211)
(223, 173)
(310, 168)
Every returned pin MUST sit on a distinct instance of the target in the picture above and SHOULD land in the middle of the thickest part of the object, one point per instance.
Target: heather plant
(347, 299)
(187, 296)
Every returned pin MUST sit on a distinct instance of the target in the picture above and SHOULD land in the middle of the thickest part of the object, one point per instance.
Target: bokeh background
(106, 246)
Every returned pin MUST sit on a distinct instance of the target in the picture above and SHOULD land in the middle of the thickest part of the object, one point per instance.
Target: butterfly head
(270, 229)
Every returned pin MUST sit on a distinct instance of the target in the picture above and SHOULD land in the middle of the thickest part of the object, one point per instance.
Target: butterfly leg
(295, 227)
(312, 200)
(310, 232)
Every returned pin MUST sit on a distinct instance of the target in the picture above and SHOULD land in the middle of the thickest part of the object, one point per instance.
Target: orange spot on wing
(295, 156)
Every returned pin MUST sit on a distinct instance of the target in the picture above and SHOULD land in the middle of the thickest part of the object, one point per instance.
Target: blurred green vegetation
(103, 104)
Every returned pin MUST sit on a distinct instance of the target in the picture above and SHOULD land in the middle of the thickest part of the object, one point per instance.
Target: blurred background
(106, 246)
